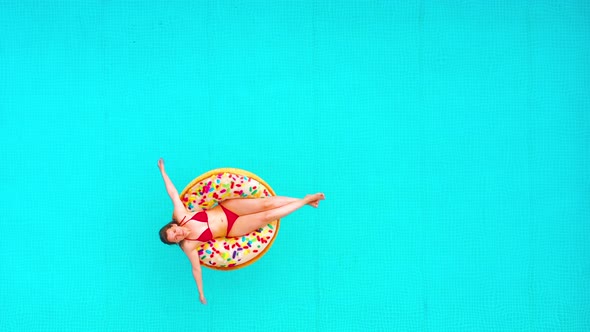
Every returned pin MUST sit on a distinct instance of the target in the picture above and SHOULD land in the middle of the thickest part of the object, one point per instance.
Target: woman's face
(176, 233)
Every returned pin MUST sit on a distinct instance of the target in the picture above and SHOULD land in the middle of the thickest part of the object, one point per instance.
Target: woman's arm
(193, 257)
(171, 189)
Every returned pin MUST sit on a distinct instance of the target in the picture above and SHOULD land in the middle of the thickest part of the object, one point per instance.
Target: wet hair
(164, 236)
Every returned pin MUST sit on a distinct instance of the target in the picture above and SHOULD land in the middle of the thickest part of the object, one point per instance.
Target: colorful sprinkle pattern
(229, 252)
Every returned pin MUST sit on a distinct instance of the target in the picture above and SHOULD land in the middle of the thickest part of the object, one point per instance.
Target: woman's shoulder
(189, 246)
(182, 214)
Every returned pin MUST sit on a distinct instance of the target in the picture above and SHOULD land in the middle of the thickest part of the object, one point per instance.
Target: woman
(233, 218)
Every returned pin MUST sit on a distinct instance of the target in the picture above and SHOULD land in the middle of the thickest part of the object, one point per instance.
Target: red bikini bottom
(231, 218)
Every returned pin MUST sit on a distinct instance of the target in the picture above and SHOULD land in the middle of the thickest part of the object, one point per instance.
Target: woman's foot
(314, 200)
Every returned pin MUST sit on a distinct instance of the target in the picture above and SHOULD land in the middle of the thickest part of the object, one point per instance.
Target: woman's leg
(244, 206)
(251, 222)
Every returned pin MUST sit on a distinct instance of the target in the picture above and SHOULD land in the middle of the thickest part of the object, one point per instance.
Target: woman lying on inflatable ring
(233, 218)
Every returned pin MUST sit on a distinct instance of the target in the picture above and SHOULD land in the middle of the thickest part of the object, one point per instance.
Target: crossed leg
(275, 208)
(244, 206)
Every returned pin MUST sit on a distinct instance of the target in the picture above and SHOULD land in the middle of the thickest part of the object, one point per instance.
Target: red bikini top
(200, 217)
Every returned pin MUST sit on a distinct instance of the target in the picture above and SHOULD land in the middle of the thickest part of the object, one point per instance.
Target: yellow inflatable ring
(215, 186)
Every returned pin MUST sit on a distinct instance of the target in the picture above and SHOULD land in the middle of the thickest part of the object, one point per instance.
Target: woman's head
(171, 233)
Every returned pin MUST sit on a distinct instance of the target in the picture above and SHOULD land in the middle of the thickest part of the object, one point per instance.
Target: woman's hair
(164, 236)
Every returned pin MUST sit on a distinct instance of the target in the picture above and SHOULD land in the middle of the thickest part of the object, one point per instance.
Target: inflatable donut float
(215, 186)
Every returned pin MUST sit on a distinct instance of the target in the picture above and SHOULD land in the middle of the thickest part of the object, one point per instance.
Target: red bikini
(202, 217)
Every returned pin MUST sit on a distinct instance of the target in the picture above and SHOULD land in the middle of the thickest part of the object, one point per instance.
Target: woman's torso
(217, 223)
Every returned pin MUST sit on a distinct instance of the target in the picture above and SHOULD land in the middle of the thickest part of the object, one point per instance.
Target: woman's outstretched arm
(171, 189)
(193, 257)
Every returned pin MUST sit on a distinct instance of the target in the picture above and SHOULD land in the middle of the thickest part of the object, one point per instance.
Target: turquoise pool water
(452, 141)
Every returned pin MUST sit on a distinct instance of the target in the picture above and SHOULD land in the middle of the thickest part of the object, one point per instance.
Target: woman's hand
(161, 164)
(203, 299)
